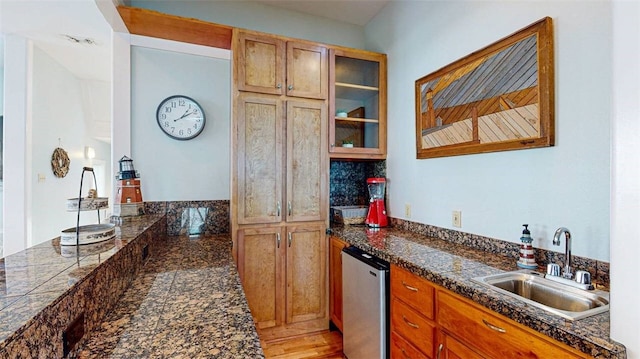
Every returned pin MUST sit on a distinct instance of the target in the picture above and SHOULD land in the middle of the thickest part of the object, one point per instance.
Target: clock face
(180, 117)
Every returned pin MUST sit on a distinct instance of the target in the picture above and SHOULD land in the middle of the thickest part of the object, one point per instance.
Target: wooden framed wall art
(498, 98)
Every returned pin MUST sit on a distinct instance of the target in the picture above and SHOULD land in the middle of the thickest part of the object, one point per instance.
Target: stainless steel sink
(560, 299)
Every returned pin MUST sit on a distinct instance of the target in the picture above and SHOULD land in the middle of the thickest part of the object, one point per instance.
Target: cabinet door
(259, 155)
(306, 273)
(357, 104)
(260, 63)
(261, 268)
(335, 280)
(307, 66)
(306, 161)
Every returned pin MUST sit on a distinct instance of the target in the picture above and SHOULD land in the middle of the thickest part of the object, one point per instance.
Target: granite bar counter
(45, 288)
(187, 302)
(452, 265)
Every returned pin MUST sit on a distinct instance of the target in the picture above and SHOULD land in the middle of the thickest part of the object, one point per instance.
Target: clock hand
(183, 116)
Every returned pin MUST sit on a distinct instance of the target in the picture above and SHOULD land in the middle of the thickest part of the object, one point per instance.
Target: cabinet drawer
(412, 326)
(402, 349)
(491, 335)
(413, 290)
(453, 349)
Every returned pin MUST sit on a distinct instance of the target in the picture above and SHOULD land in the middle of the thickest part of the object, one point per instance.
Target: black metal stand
(95, 181)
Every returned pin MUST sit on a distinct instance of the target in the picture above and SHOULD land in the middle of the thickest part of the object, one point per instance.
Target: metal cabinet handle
(278, 239)
(290, 238)
(279, 86)
(413, 289)
(289, 209)
(412, 325)
(290, 87)
(404, 353)
(439, 350)
(278, 209)
(493, 327)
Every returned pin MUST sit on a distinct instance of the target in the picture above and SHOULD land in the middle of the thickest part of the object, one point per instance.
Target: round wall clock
(180, 117)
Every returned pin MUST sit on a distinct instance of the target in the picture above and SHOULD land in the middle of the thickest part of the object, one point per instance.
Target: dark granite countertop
(188, 302)
(452, 266)
(38, 277)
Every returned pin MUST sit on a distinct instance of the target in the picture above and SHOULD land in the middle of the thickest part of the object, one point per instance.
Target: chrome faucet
(567, 272)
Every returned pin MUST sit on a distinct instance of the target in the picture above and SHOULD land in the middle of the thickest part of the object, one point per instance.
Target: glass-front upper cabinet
(358, 104)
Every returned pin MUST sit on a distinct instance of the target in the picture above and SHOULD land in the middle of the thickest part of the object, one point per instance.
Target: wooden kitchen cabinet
(283, 273)
(438, 323)
(261, 265)
(307, 181)
(259, 152)
(279, 197)
(412, 313)
(274, 65)
(357, 104)
(335, 280)
(491, 335)
(262, 142)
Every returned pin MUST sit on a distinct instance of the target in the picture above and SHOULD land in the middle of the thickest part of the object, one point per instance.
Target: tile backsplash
(348, 181)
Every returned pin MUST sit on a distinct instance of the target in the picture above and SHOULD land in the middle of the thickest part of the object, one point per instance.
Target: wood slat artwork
(513, 124)
(497, 98)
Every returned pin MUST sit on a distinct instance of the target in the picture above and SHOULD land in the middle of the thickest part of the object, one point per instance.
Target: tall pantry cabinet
(280, 181)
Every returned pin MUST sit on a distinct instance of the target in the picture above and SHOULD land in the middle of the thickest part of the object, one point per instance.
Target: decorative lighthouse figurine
(128, 197)
(527, 257)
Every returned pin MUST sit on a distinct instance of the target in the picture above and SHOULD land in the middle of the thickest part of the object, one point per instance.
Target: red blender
(377, 216)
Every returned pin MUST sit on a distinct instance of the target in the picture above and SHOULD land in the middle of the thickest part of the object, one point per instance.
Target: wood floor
(325, 345)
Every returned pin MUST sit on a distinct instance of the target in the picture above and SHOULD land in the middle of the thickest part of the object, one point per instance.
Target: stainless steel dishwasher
(365, 305)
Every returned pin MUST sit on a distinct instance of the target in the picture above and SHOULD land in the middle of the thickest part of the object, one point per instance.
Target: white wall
(17, 118)
(173, 170)
(566, 185)
(261, 17)
(1, 87)
(58, 119)
(625, 189)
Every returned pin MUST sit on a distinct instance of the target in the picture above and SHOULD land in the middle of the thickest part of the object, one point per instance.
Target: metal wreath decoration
(60, 162)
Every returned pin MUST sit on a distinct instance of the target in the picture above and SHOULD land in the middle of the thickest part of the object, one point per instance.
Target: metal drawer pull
(493, 327)
(439, 350)
(278, 239)
(412, 325)
(290, 87)
(279, 86)
(404, 354)
(413, 289)
(290, 238)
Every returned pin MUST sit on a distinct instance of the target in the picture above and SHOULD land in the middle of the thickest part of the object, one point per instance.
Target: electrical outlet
(456, 219)
(407, 210)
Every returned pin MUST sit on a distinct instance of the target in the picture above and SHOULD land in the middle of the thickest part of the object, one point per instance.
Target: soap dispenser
(527, 258)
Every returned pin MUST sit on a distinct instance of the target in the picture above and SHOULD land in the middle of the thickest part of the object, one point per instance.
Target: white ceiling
(46, 21)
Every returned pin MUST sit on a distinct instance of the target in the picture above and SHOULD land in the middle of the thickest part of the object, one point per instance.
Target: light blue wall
(173, 170)
(566, 185)
(260, 17)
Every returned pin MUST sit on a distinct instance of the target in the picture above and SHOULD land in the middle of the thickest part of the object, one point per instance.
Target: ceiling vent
(80, 40)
